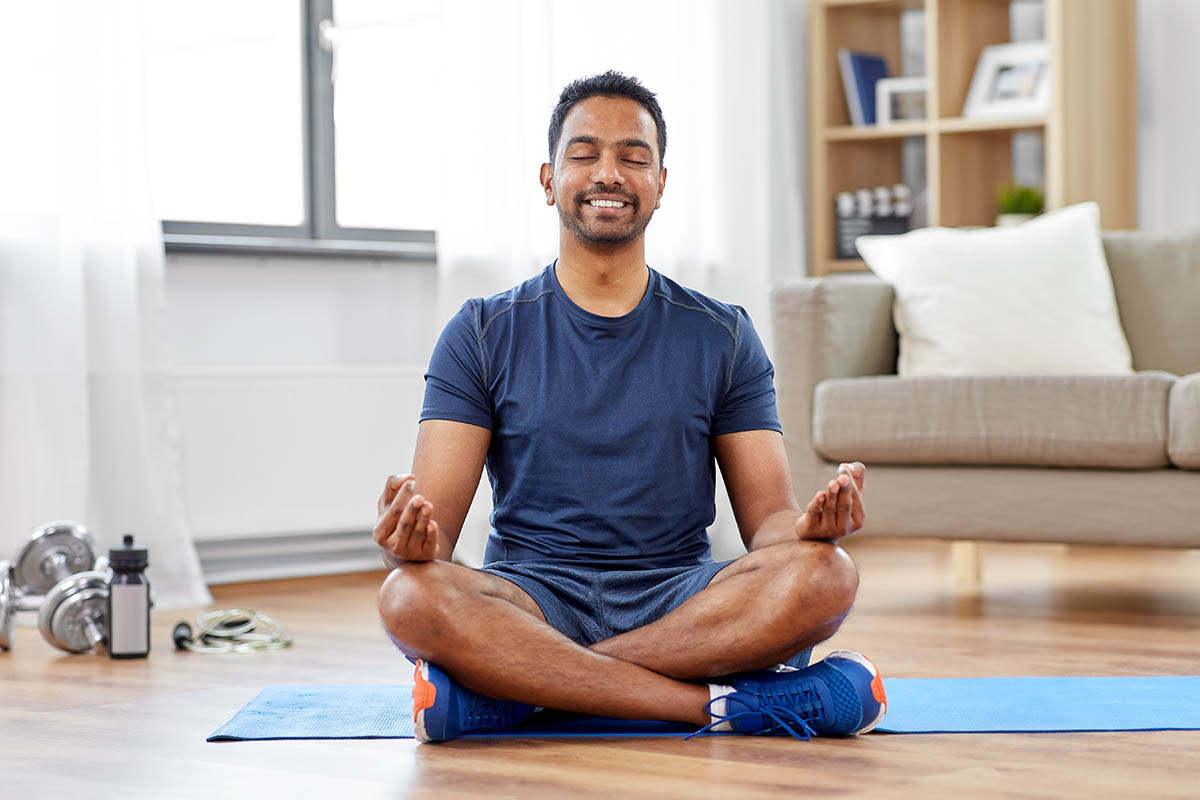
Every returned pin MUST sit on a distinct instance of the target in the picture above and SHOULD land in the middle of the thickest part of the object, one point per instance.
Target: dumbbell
(11, 601)
(54, 552)
(74, 615)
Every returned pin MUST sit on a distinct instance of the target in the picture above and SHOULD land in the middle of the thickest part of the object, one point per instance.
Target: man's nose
(608, 171)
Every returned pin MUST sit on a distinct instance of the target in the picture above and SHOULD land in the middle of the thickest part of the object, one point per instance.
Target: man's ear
(662, 184)
(546, 178)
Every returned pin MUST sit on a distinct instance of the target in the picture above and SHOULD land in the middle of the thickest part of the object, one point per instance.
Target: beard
(603, 232)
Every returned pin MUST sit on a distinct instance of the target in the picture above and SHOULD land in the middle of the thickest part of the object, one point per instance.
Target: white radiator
(254, 558)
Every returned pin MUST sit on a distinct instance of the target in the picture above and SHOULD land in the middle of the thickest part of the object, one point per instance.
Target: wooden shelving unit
(1090, 131)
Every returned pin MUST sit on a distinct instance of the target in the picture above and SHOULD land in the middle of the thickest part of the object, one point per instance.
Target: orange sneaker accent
(877, 688)
(424, 693)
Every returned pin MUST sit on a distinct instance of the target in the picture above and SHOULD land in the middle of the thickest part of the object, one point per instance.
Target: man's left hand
(837, 510)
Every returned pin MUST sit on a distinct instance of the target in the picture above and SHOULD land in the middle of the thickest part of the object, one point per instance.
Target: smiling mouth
(614, 204)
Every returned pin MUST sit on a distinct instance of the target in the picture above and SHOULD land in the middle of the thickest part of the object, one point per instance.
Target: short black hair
(608, 84)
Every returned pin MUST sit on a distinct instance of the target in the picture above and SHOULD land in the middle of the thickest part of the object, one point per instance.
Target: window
(293, 125)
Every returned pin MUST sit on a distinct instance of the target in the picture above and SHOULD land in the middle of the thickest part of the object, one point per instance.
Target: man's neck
(608, 282)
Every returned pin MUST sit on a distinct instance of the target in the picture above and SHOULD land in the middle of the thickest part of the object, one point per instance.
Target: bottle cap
(127, 556)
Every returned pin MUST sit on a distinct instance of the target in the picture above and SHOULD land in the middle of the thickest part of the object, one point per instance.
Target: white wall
(1169, 116)
(299, 379)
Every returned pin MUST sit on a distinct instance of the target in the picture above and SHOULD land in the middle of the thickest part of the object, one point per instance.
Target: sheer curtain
(729, 77)
(86, 425)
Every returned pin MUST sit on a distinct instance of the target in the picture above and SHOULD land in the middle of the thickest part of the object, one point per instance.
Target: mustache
(585, 196)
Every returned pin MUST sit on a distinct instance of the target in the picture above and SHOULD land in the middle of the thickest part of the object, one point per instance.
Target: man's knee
(823, 575)
(412, 603)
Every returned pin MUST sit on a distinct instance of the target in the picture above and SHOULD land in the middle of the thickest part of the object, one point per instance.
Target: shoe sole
(876, 685)
(424, 696)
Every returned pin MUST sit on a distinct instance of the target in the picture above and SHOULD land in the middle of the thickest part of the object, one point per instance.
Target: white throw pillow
(1035, 298)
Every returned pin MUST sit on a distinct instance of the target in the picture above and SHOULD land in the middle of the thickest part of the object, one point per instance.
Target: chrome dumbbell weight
(12, 600)
(54, 551)
(74, 615)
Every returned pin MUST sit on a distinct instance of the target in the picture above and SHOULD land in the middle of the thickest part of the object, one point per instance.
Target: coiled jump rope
(231, 630)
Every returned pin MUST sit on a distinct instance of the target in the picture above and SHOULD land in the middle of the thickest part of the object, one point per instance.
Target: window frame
(320, 233)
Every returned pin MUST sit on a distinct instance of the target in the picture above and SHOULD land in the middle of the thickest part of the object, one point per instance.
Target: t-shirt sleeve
(748, 403)
(456, 383)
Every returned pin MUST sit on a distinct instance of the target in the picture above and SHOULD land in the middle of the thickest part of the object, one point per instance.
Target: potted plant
(1017, 204)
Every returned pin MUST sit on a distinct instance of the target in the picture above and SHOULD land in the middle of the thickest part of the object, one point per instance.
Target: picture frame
(1011, 80)
(900, 100)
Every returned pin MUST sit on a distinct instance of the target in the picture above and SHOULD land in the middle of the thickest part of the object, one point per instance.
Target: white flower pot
(1013, 219)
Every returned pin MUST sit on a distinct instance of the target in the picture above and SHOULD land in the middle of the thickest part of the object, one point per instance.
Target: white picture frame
(901, 100)
(1011, 80)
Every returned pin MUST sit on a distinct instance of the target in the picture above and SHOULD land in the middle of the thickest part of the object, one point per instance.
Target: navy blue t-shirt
(601, 450)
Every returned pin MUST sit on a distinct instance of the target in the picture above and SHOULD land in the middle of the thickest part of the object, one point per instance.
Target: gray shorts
(589, 604)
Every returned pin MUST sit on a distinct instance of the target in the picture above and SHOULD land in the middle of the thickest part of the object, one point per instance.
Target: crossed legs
(492, 638)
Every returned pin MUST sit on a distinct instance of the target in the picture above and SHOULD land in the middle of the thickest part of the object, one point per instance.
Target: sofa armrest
(838, 327)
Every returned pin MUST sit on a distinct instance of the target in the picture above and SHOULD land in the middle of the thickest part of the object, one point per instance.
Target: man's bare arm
(421, 513)
(755, 468)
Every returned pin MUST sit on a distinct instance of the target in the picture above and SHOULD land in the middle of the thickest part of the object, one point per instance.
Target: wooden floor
(94, 727)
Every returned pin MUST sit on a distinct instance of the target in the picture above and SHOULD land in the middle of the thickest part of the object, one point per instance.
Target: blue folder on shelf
(860, 71)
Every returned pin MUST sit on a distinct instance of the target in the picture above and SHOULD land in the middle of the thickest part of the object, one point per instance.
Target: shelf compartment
(863, 27)
(974, 165)
(963, 29)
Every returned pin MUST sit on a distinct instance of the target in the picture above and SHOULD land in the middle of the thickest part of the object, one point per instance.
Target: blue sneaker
(444, 710)
(841, 695)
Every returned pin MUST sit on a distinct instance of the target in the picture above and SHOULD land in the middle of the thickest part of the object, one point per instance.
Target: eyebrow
(623, 143)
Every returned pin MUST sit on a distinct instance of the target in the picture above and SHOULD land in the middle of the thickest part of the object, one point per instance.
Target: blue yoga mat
(915, 705)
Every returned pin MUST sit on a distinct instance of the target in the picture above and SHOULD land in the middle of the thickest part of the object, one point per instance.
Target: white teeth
(606, 203)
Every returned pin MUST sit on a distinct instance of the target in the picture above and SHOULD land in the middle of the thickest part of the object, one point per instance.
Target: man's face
(606, 179)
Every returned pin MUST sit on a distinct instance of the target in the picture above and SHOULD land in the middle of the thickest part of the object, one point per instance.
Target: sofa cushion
(1183, 424)
(1157, 282)
(1116, 422)
(1030, 299)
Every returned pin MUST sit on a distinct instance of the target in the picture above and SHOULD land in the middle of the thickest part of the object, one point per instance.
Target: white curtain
(729, 77)
(86, 423)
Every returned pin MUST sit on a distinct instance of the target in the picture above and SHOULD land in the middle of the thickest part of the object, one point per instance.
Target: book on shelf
(860, 71)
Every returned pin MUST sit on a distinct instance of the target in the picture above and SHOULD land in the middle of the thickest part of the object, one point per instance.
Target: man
(599, 393)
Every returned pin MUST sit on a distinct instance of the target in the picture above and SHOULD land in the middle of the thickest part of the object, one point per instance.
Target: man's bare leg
(756, 612)
(491, 637)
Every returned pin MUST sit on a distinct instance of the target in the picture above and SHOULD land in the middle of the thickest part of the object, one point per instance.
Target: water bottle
(128, 602)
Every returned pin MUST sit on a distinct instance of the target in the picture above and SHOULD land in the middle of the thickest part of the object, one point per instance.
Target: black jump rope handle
(182, 632)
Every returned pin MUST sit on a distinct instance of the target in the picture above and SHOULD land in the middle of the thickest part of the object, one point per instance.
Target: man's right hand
(406, 528)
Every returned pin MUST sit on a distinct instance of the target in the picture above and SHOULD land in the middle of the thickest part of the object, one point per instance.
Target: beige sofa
(1075, 459)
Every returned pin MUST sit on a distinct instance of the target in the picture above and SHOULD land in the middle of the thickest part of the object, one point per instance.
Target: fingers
(838, 509)
(430, 545)
(390, 513)
(846, 493)
(406, 527)
(816, 505)
(421, 521)
(390, 488)
(421, 542)
(856, 470)
(409, 534)
(836, 492)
